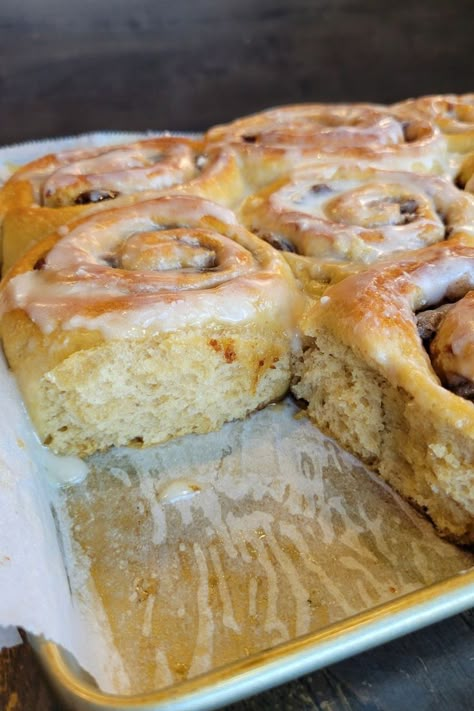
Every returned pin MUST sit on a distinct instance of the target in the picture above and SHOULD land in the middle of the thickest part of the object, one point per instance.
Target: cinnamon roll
(148, 322)
(453, 114)
(330, 220)
(68, 184)
(389, 373)
(277, 140)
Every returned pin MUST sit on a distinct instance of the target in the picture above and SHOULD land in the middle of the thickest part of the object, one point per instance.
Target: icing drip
(154, 267)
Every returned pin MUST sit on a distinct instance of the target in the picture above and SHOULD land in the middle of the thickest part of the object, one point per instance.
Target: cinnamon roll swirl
(277, 140)
(344, 218)
(68, 184)
(148, 322)
(453, 114)
(465, 175)
(389, 373)
(452, 348)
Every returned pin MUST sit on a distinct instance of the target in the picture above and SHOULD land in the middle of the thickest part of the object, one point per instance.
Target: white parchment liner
(167, 562)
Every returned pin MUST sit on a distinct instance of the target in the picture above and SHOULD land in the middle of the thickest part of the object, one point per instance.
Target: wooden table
(174, 64)
(429, 670)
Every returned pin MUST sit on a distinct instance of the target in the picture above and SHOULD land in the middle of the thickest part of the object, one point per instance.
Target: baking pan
(272, 667)
(217, 566)
(223, 564)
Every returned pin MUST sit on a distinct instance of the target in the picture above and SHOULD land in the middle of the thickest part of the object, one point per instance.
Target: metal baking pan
(224, 564)
(275, 666)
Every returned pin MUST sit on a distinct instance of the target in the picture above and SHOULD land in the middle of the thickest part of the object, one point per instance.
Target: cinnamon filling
(201, 162)
(277, 242)
(429, 321)
(411, 131)
(39, 264)
(409, 208)
(320, 189)
(461, 386)
(89, 196)
(406, 214)
(460, 181)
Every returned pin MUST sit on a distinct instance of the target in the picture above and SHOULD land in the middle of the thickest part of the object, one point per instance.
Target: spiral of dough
(66, 185)
(147, 322)
(155, 265)
(356, 215)
(452, 113)
(88, 176)
(372, 382)
(277, 140)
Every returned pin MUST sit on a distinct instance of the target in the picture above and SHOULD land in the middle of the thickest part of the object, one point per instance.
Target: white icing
(141, 166)
(147, 313)
(348, 132)
(62, 470)
(250, 277)
(434, 278)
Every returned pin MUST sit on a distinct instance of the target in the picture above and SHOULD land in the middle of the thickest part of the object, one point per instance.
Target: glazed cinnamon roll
(344, 218)
(389, 373)
(453, 114)
(465, 174)
(148, 322)
(278, 140)
(68, 184)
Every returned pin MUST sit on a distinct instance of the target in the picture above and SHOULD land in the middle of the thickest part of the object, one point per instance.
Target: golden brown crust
(452, 348)
(374, 313)
(339, 219)
(171, 325)
(370, 382)
(275, 141)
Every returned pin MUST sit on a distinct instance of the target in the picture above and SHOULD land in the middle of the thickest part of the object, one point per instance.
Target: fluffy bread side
(85, 393)
(369, 382)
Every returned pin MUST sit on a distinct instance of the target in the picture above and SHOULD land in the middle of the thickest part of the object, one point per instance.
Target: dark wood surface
(430, 670)
(176, 64)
